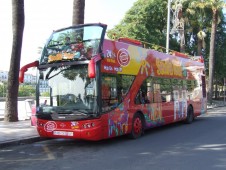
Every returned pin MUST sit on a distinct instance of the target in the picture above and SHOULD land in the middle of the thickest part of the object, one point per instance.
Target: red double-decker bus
(99, 88)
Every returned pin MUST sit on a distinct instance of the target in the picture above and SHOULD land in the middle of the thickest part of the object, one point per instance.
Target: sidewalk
(216, 103)
(15, 133)
(21, 132)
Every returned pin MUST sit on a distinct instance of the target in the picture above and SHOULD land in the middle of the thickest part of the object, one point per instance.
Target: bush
(26, 90)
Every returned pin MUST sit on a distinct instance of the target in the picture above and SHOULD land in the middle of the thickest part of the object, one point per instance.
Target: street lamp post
(168, 26)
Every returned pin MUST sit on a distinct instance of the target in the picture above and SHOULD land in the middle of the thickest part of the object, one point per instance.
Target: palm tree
(201, 41)
(13, 83)
(216, 6)
(198, 18)
(78, 12)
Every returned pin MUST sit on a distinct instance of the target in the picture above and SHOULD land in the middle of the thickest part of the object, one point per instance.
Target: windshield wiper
(78, 113)
(70, 111)
(47, 75)
(50, 71)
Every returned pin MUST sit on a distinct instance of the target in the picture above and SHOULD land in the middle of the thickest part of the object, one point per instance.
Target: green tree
(2, 89)
(78, 12)
(216, 6)
(198, 18)
(26, 90)
(205, 17)
(220, 62)
(145, 21)
(45, 94)
(11, 114)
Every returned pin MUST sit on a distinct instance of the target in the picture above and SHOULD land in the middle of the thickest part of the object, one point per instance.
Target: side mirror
(92, 66)
(24, 69)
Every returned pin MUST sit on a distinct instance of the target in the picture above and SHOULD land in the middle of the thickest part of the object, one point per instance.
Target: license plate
(62, 133)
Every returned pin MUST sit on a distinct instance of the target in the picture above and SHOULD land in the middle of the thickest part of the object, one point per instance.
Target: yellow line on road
(49, 153)
(25, 160)
(50, 156)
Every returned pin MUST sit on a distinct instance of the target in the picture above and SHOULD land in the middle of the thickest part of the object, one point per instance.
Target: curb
(216, 107)
(16, 142)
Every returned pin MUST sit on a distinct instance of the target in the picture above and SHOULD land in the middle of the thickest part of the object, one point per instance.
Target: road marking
(23, 160)
(49, 153)
(50, 156)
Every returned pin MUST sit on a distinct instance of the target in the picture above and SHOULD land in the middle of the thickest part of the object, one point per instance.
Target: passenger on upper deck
(77, 45)
(78, 48)
(89, 53)
(66, 46)
(67, 41)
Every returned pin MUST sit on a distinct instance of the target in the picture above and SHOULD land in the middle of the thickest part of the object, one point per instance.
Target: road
(200, 145)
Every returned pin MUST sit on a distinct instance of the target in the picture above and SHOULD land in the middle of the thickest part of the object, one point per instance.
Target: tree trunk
(182, 37)
(78, 12)
(211, 56)
(11, 114)
(216, 90)
(182, 43)
(199, 47)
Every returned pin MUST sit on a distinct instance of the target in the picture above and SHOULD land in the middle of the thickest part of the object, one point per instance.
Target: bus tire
(137, 126)
(190, 115)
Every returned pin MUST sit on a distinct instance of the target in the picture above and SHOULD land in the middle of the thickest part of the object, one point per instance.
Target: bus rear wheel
(190, 115)
(137, 126)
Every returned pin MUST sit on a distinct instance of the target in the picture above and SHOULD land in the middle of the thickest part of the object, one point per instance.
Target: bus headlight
(88, 125)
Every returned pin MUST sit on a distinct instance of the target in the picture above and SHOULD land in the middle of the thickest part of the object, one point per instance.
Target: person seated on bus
(142, 98)
(150, 96)
(78, 99)
(78, 48)
(77, 44)
(121, 95)
(145, 97)
(67, 40)
(89, 53)
(66, 46)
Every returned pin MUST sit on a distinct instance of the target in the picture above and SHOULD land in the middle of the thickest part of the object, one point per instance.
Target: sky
(44, 16)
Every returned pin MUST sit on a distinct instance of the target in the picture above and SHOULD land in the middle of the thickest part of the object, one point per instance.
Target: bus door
(179, 99)
(167, 99)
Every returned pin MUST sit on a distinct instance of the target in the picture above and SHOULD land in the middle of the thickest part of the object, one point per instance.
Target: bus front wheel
(190, 115)
(137, 126)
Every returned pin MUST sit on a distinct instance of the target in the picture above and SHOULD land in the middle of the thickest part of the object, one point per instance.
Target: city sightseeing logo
(50, 126)
(123, 57)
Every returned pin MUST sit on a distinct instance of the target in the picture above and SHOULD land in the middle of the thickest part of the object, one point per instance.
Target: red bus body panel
(122, 58)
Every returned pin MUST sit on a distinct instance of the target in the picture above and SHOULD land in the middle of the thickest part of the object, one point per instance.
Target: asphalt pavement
(21, 132)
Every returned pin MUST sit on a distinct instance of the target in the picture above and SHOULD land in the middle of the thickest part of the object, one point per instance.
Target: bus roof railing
(159, 48)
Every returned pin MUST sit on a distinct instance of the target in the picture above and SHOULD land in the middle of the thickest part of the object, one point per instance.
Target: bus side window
(166, 90)
(157, 93)
(141, 97)
(150, 93)
(137, 99)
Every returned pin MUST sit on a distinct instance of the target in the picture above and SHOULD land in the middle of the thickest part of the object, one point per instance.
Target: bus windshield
(69, 92)
(72, 44)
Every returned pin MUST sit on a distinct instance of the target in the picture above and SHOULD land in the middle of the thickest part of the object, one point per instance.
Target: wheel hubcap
(137, 126)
